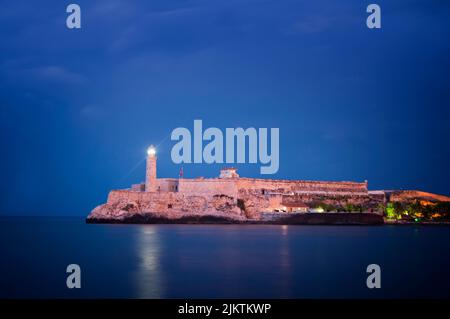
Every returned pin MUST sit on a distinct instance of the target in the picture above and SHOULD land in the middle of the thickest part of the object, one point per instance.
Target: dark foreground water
(231, 261)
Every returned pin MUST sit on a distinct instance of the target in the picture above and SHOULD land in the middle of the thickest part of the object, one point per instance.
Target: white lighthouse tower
(150, 174)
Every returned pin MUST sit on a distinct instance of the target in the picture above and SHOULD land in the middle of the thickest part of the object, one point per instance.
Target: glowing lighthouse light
(151, 151)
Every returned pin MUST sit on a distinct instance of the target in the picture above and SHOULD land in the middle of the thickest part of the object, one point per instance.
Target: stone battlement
(231, 186)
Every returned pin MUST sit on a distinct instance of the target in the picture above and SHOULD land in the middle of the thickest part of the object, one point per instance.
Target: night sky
(78, 108)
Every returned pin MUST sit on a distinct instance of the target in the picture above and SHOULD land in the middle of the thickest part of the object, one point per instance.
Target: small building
(296, 207)
(228, 172)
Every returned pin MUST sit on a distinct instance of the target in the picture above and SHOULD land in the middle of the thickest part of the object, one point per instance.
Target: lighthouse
(150, 174)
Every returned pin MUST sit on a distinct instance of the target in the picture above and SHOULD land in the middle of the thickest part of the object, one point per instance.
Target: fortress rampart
(221, 195)
(296, 186)
(231, 187)
(231, 194)
(231, 197)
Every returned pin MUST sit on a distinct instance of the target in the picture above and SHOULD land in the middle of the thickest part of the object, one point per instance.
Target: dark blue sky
(79, 107)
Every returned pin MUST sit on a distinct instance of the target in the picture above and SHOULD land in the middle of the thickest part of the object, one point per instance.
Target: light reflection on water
(285, 261)
(149, 278)
(210, 251)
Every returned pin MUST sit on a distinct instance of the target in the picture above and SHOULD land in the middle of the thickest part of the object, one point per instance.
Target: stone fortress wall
(208, 186)
(248, 197)
(230, 196)
(301, 186)
(231, 186)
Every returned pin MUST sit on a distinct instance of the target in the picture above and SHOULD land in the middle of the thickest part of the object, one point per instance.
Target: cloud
(56, 73)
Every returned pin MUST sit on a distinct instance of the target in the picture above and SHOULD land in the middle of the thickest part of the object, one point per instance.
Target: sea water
(220, 261)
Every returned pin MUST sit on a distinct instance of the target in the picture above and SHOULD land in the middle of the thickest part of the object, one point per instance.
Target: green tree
(390, 211)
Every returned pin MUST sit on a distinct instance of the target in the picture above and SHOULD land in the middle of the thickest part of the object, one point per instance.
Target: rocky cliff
(130, 205)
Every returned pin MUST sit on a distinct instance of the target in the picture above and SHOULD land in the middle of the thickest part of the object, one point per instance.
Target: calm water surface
(214, 261)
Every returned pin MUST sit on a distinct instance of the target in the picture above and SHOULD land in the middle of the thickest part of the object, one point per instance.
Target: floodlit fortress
(232, 198)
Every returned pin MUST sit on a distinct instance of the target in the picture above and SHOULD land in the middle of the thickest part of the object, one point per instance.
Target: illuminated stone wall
(172, 203)
(298, 186)
(208, 187)
(221, 195)
(231, 186)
